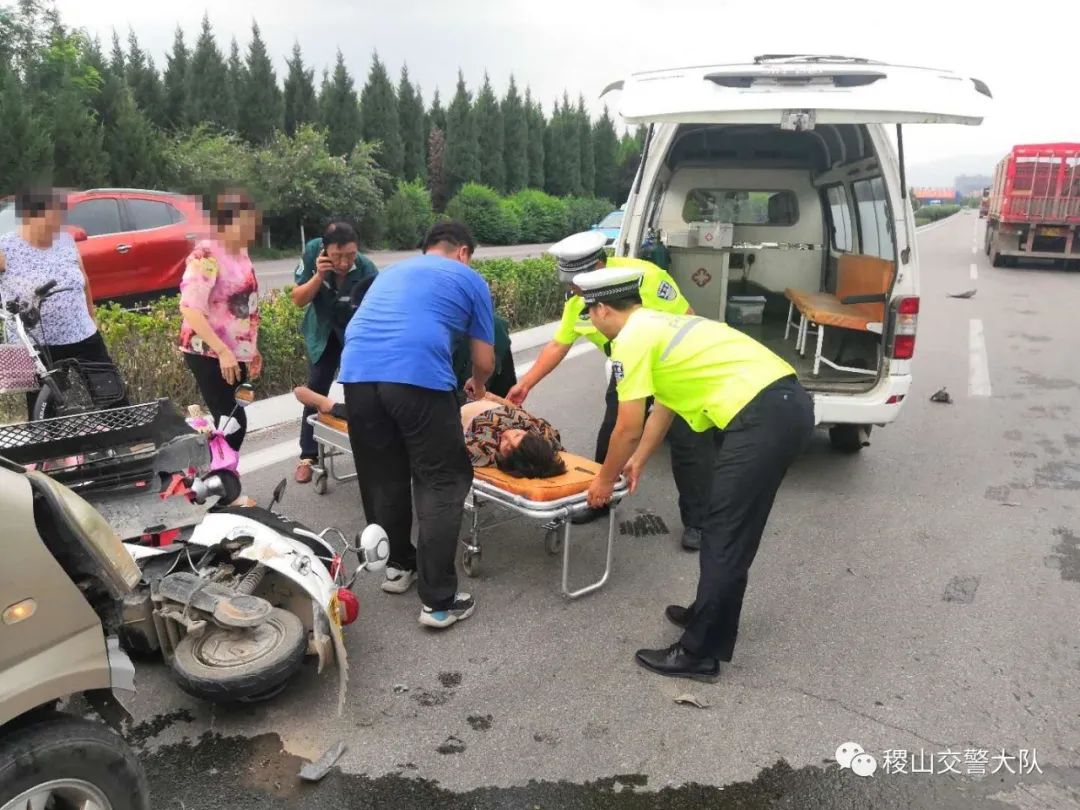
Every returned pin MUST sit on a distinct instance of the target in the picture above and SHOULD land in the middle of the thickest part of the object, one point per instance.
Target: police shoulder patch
(666, 292)
(617, 371)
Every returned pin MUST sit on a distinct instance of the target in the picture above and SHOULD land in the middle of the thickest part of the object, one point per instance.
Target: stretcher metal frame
(557, 513)
(331, 443)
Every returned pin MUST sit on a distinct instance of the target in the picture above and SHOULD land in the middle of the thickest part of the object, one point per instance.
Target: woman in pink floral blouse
(219, 299)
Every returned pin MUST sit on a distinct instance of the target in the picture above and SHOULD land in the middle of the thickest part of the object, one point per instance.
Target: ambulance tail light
(905, 321)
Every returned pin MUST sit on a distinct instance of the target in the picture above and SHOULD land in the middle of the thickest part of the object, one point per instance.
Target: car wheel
(60, 761)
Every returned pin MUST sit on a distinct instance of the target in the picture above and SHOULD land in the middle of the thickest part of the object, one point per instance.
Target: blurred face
(48, 221)
(509, 441)
(343, 257)
(243, 229)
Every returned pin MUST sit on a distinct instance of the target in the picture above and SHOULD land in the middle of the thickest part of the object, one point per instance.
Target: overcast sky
(582, 46)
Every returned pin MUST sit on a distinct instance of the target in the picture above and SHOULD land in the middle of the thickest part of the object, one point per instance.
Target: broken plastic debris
(692, 700)
(942, 396)
(964, 294)
(314, 771)
(400, 689)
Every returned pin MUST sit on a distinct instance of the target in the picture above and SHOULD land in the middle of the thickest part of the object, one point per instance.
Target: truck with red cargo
(1034, 209)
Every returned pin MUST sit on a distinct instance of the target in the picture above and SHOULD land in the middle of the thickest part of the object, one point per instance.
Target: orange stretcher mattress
(579, 474)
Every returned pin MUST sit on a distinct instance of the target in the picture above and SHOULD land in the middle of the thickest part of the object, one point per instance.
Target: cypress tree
(413, 130)
(339, 110)
(260, 104)
(301, 105)
(489, 129)
(380, 119)
(515, 139)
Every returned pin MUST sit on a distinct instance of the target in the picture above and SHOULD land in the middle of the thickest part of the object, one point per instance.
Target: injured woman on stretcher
(497, 433)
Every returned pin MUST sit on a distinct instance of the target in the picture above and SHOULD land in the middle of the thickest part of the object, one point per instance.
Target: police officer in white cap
(747, 399)
(690, 451)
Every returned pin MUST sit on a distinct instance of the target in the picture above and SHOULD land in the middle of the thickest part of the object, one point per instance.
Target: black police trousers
(750, 458)
(408, 440)
(691, 460)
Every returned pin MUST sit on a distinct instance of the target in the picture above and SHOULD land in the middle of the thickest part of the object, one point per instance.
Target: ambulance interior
(777, 211)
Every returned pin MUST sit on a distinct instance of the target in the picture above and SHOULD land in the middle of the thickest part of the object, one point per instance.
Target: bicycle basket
(104, 382)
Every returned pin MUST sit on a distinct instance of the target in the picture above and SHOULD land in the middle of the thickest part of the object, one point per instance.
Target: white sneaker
(462, 608)
(397, 580)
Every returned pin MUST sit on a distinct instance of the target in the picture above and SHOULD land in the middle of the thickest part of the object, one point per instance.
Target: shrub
(935, 212)
(525, 292)
(409, 214)
(491, 220)
(584, 212)
(543, 217)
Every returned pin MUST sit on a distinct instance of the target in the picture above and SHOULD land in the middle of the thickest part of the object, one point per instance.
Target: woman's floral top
(224, 288)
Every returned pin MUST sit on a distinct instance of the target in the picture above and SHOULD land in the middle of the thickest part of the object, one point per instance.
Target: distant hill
(944, 172)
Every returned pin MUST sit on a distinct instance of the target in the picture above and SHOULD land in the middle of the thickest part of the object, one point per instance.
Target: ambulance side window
(843, 238)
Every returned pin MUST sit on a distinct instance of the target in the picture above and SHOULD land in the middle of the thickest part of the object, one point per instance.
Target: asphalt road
(279, 272)
(921, 596)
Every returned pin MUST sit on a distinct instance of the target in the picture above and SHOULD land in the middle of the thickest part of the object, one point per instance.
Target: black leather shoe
(675, 662)
(678, 615)
(590, 516)
(691, 539)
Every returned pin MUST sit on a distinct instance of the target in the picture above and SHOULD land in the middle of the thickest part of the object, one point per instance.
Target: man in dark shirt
(331, 274)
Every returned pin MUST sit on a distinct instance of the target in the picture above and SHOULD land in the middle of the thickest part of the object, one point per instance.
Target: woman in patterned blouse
(497, 433)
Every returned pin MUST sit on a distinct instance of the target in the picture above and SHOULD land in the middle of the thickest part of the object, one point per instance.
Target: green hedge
(528, 216)
(933, 213)
(409, 214)
(143, 343)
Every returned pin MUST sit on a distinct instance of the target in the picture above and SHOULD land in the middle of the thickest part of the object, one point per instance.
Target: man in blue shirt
(403, 415)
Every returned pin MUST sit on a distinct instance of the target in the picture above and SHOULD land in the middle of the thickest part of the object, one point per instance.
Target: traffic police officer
(722, 381)
(691, 462)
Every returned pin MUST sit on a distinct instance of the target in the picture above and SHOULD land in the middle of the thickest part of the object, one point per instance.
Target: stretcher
(553, 500)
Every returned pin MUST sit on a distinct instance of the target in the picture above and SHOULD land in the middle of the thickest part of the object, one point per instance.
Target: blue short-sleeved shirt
(404, 331)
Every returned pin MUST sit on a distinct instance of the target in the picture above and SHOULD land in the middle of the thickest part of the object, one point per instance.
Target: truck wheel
(998, 260)
(60, 761)
(849, 438)
(224, 665)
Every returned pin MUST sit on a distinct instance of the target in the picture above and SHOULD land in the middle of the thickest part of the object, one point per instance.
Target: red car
(133, 242)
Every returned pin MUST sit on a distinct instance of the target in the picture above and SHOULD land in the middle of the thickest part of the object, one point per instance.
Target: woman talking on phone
(219, 299)
(331, 276)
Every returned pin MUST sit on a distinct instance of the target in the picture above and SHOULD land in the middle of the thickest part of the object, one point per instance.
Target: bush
(409, 214)
(491, 219)
(526, 293)
(144, 347)
(584, 212)
(543, 217)
(935, 212)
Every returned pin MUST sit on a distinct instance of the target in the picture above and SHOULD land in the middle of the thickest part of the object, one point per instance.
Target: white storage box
(715, 235)
(745, 309)
(682, 239)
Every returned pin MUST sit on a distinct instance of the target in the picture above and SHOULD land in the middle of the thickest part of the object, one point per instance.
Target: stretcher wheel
(321, 483)
(470, 562)
(553, 541)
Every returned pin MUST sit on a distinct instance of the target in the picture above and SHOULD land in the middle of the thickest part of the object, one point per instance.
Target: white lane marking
(974, 272)
(974, 249)
(282, 451)
(979, 365)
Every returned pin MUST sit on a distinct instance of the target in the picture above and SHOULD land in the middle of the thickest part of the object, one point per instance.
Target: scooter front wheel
(225, 665)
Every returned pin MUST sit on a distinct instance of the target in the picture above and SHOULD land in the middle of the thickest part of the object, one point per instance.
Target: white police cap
(578, 252)
(608, 284)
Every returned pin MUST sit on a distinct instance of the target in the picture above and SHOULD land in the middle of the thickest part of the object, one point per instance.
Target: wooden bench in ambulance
(862, 288)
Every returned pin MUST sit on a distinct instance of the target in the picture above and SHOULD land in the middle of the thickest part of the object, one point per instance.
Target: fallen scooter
(236, 602)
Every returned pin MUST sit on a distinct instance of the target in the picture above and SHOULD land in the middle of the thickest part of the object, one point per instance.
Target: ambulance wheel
(321, 483)
(553, 541)
(849, 438)
(470, 562)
